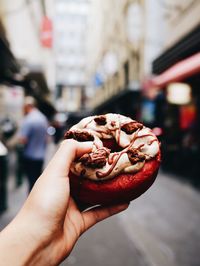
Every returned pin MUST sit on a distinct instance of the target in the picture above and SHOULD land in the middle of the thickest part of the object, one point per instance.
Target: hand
(49, 224)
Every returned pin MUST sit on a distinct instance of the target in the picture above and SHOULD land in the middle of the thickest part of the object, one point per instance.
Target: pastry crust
(122, 188)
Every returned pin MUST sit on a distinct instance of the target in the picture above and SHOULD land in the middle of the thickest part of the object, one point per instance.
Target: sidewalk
(164, 223)
(16, 197)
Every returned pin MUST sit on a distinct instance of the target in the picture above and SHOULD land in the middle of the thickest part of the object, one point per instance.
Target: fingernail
(123, 206)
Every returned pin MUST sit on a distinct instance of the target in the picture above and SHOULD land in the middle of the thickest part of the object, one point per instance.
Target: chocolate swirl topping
(78, 135)
(131, 127)
(96, 159)
(135, 155)
(137, 144)
(100, 120)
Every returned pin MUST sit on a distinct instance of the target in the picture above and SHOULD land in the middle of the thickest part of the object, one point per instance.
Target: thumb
(66, 154)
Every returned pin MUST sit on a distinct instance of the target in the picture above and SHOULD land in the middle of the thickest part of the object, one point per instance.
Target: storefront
(33, 83)
(177, 78)
(126, 102)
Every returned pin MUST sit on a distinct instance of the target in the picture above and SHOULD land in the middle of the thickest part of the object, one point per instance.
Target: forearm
(20, 245)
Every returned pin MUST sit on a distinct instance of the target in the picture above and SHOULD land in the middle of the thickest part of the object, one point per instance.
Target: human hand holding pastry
(49, 224)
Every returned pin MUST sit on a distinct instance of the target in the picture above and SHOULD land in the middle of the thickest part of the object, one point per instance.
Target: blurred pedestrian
(33, 137)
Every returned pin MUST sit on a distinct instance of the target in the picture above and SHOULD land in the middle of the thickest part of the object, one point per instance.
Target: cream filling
(144, 140)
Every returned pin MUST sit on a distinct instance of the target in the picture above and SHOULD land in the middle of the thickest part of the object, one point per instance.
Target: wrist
(21, 239)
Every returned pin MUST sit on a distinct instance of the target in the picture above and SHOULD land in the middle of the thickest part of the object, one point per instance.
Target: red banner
(47, 33)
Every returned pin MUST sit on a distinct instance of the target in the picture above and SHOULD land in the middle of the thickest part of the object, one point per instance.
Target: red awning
(178, 72)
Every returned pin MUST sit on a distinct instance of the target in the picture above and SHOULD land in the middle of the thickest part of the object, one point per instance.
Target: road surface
(161, 228)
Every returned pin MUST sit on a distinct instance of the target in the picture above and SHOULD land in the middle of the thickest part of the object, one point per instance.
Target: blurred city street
(159, 229)
(65, 60)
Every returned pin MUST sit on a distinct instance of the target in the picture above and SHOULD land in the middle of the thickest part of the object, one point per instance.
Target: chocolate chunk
(79, 135)
(131, 127)
(135, 156)
(113, 123)
(100, 120)
(95, 159)
(83, 172)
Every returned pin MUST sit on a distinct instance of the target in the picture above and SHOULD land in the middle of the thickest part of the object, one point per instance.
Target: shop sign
(178, 93)
(188, 115)
(46, 33)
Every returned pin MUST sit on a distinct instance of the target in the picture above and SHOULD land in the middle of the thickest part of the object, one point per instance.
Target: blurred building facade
(124, 49)
(182, 18)
(107, 66)
(71, 21)
(28, 29)
(23, 21)
(95, 55)
(90, 51)
(177, 68)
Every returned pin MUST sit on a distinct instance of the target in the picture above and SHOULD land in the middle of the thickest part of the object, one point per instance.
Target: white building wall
(22, 31)
(48, 54)
(107, 34)
(22, 21)
(184, 17)
(154, 34)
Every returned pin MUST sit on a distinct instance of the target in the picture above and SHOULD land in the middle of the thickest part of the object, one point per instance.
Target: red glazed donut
(123, 164)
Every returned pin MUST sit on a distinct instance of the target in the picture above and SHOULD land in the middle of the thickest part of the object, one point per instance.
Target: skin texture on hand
(46, 229)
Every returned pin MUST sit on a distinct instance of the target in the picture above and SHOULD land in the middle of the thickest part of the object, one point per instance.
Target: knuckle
(69, 143)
